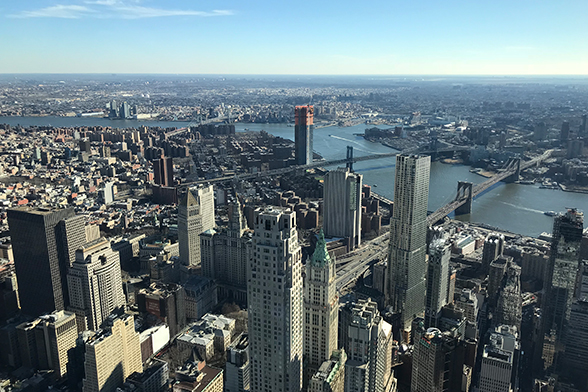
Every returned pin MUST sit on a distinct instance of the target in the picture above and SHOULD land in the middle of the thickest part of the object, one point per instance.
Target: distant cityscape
(156, 247)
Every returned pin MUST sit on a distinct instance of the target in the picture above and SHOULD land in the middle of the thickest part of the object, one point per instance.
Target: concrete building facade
(112, 355)
(95, 284)
(275, 298)
(195, 216)
(342, 205)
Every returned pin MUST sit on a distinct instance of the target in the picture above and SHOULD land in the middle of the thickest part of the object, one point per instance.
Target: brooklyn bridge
(466, 191)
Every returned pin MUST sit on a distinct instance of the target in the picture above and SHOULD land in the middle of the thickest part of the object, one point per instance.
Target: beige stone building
(112, 355)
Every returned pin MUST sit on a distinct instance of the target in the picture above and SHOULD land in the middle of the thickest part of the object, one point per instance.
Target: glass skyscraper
(408, 238)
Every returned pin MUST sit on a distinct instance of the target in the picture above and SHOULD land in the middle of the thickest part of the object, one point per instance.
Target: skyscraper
(367, 340)
(342, 206)
(562, 270)
(163, 171)
(303, 134)
(195, 216)
(274, 293)
(437, 281)
(237, 370)
(565, 132)
(95, 284)
(408, 238)
(225, 254)
(44, 342)
(560, 281)
(493, 249)
(321, 307)
(499, 360)
(112, 354)
(42, 248)
(437, 361)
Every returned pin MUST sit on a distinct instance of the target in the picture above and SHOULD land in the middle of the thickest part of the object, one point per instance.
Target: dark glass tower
(562, 269)
(303, 131)
(42, 242)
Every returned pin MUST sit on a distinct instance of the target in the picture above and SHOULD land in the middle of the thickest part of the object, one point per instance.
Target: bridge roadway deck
(274, 172)
(479, 188)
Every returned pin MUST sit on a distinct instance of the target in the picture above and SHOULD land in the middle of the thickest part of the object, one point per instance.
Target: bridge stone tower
(350, 158)
(464, 191)
(513, 164)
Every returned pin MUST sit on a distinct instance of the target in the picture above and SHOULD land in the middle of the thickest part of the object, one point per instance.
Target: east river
(512, 207)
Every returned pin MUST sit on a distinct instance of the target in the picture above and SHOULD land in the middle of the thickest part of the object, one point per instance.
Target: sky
(324, 37)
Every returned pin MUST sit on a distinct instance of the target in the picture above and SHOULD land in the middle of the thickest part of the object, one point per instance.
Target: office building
(43, 242)
(237, 369)
(107, 193)
(44, 342)
(166, 302)
(562, 270)
(367, 340)
(509, 309)
(584, 125)
(195, 216)
(112, 354)
(437, 281)
(303, 134)
(198, 377)
(493, 249)
(225, 253)
(500, 360)
(565, 132)
(154, 378)
(437, 360)
(163, 171)
(330, 376)
(95, 284)
(321, 307)
(576, 350)
(408, 238)
(275, 298)
(342, 206)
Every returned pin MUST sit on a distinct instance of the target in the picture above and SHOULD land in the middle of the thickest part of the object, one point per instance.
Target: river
(513, 207)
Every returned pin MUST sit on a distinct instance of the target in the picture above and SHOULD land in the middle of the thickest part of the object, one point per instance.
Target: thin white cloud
(113, 9)
(57, 11)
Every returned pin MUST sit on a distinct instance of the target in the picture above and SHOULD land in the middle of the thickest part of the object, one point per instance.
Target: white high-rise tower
(274, 294)
(195, 216)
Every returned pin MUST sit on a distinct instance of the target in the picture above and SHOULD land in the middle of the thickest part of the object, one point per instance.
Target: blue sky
(475, 37)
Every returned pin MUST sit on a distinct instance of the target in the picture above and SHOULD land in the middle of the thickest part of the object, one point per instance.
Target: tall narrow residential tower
(342, 205)
(195, 216)
(274, 294)
(303, 130)
(321, 307)
(408, 238)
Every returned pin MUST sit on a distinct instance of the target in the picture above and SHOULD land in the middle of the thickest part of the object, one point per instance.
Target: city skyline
(386, 38)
